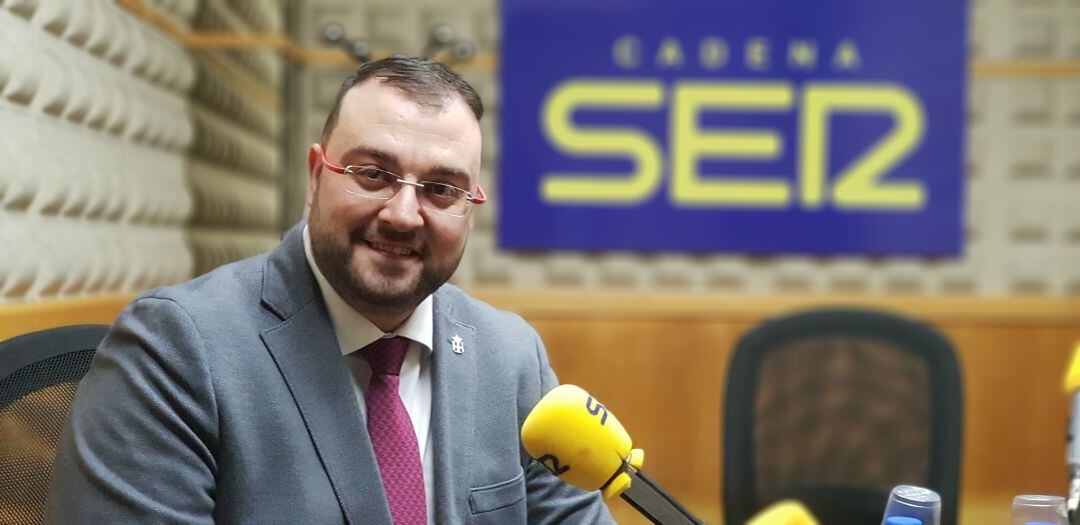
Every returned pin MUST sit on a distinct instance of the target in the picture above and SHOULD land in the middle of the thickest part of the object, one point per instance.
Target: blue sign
(765, 126)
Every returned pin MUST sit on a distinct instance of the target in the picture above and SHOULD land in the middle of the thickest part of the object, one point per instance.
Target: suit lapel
(453, 391)
(306, 352)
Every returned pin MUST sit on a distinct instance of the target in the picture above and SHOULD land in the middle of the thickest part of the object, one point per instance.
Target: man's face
(392, 253)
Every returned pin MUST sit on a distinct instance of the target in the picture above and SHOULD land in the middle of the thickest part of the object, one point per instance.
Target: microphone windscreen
(788, 512)
(575, 437)
(1072, 376)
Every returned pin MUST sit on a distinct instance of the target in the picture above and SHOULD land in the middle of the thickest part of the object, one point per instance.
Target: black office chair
(39, 374)
(834, 407)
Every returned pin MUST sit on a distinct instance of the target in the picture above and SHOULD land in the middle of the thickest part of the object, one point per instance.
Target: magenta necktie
(392, 433)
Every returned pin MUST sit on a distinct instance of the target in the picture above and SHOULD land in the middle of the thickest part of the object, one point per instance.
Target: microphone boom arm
(652, 502)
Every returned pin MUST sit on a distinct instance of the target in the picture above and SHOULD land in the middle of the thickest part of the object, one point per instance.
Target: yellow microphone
(1071, 382)
(1071, 385)
(580, 441)
(787, 512)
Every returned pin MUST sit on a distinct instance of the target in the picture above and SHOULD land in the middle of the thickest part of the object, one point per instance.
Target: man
(336, 379)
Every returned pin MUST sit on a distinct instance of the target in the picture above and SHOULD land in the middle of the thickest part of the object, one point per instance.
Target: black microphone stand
(653, 503)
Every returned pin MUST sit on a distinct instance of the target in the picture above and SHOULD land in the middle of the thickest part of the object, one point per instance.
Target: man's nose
(402, 211)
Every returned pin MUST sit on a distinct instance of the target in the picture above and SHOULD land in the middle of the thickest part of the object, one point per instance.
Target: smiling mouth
(391, 249)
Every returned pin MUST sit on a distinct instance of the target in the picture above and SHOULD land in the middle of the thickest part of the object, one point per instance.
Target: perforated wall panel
(1023, 173)
(93, 132)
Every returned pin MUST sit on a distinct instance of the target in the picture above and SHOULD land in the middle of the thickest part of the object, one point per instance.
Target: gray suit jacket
(226, 400)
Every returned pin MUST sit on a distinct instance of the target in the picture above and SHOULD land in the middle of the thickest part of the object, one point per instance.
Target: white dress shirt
(354, 331)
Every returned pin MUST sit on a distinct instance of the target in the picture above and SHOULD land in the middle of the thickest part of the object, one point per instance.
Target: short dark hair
(422, 79)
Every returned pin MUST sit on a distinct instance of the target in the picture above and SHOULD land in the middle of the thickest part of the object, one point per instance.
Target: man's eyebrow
(372, 153)
(391, 162)
(448, 172)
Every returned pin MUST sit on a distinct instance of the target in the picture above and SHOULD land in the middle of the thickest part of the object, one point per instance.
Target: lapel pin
(457, 344)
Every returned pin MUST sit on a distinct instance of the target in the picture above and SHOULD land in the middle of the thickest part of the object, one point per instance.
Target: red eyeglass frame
(479, 198)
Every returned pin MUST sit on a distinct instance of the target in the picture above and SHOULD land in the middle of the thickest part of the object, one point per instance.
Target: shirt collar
(354, 331)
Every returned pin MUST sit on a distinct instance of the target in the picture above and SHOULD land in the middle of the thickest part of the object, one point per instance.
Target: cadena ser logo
(747, 126)
(859, 185)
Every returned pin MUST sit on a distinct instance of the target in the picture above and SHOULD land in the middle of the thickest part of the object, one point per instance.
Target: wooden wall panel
(659, 363)
(661, 368)
(1015, 410)
(661, 382)
(23, 318)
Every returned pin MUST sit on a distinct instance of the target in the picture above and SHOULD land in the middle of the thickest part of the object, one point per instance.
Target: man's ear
(314, 162)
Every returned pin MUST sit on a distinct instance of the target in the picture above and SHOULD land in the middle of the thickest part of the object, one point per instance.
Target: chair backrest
(834, 407)
(39, 374)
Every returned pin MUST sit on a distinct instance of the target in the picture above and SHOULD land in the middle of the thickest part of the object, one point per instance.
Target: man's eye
(439, 190)
(370, 174)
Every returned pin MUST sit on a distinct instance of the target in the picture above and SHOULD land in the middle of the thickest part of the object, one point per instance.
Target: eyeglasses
(379, 184)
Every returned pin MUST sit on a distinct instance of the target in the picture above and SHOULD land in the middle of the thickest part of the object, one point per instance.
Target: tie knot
(386, 354)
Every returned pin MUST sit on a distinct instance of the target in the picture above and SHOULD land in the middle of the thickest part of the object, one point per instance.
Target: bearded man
(337, 379)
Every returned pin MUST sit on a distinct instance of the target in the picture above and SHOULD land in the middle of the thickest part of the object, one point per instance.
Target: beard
(371, 285)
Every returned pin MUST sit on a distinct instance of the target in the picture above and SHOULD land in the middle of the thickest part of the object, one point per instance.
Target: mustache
(390, 235)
